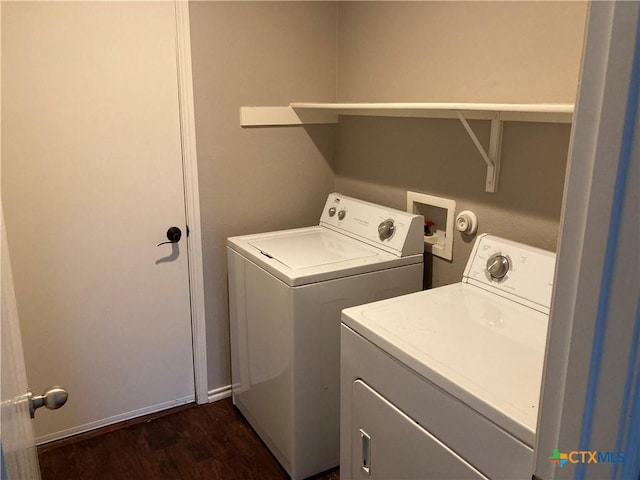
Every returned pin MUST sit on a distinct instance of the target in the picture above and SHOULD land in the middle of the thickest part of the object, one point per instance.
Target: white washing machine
(286, 292)
(445, 383)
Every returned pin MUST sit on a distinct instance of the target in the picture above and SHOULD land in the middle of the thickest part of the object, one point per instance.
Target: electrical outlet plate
(441, 211)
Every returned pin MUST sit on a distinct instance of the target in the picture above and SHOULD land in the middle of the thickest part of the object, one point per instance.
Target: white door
(91, 182)
(387, 444)
(18, 457)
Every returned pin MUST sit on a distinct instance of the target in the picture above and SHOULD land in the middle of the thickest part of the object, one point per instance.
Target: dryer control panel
(517, 271)
(392, 230)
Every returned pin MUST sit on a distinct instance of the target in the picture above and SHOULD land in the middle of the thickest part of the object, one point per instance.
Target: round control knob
(332, 211)
(341, 214)
(386, 229)
(497, 266)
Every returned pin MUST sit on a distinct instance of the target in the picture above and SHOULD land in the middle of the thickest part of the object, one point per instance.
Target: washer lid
(484, 349)
(310, 249)
(314, 254)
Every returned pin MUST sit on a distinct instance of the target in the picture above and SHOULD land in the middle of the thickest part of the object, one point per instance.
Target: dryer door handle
(366, 452)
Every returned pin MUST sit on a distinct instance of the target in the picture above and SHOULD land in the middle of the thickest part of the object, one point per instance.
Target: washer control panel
(514, 269)
(392, 230)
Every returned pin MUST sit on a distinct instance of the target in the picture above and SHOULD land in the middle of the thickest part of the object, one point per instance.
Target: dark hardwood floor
(210, 441)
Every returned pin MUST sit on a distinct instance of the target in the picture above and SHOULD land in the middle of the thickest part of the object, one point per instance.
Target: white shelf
(304, 112)
(313, 113)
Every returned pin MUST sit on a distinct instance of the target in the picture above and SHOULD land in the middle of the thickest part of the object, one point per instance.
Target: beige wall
(459, 51)
(262, 179)
(379, 159)
(273, 53)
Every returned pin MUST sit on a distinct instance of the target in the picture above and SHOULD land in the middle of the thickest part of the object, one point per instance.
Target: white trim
(192, 199)
(213, 395)
(112, 420)
(219, 393)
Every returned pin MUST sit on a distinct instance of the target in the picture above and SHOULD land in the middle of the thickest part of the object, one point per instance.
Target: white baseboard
(219, 393)
(214, 395)
(111, 420)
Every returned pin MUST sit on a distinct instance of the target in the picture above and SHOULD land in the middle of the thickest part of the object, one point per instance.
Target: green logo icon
(559, 458)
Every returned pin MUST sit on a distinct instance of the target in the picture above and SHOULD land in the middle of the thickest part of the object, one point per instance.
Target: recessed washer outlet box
(440, 211)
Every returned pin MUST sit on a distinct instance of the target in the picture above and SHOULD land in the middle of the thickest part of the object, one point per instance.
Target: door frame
(593, 328)
(192, 200)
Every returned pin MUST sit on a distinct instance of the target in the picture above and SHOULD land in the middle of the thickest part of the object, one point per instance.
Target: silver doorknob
(52, 398)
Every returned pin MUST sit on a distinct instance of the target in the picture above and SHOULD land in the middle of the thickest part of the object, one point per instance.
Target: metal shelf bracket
(492, 158)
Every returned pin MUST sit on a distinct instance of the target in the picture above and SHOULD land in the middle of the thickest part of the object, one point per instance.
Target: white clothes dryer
(286, 292)
(445, 383)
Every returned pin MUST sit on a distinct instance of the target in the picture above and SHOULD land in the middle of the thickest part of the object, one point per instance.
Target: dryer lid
(311, 249)
(484, 349)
